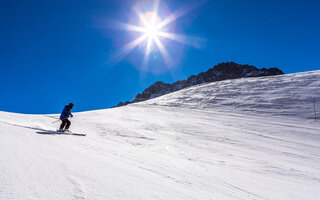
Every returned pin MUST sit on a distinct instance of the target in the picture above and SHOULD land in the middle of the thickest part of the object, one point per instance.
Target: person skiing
(66, 112)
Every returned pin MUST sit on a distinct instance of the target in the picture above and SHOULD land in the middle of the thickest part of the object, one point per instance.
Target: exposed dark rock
(222, 71)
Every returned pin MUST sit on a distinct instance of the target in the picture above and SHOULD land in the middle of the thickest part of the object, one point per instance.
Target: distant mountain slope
(290, 95)
(222, 71)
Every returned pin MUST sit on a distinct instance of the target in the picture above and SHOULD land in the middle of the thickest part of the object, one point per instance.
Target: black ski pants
(65, 124)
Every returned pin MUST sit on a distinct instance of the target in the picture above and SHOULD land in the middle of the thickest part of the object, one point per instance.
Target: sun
(151, 32)
(150, 24)
(153, 29)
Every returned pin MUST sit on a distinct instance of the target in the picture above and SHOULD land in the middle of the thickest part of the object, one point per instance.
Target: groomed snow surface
(252, 138)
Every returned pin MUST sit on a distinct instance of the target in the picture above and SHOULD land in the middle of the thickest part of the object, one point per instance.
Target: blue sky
(56, 52)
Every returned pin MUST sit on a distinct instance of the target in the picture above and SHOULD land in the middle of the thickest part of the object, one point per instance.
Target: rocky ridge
(220, 72)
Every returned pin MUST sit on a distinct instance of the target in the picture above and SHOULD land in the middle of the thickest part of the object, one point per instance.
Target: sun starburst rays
(153, 31)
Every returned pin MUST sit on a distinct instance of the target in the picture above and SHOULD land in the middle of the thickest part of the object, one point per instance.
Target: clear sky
(53, 52)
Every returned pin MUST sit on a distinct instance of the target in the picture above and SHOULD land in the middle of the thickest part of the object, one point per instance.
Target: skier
(66, 112)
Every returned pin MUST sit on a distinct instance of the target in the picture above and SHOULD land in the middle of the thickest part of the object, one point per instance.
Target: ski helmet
(71, 105)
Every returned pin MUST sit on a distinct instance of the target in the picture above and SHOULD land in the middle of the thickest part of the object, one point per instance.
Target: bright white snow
(252, 138)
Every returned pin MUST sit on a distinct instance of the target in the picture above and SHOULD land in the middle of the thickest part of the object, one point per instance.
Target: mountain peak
(220, 72)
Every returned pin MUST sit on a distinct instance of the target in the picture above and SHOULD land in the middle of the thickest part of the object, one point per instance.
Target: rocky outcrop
(222, 71)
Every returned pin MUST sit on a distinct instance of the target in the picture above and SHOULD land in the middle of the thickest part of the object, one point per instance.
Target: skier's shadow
(48, 133)
(39, 130)
(42, 131)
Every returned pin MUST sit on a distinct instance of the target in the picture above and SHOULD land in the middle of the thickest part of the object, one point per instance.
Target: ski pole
(55, 121)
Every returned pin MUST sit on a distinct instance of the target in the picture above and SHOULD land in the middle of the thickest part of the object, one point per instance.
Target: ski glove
(71, 115)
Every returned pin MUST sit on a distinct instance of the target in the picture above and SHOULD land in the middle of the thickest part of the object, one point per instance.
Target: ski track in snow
(244, 139)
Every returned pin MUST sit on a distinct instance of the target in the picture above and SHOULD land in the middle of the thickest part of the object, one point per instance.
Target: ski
(70, 133)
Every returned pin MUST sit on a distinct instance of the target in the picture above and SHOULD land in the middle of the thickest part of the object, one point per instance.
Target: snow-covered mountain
(222, 71)
(245, 139)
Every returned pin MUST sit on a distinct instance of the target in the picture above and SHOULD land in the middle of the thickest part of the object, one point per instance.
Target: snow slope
(240, 139)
